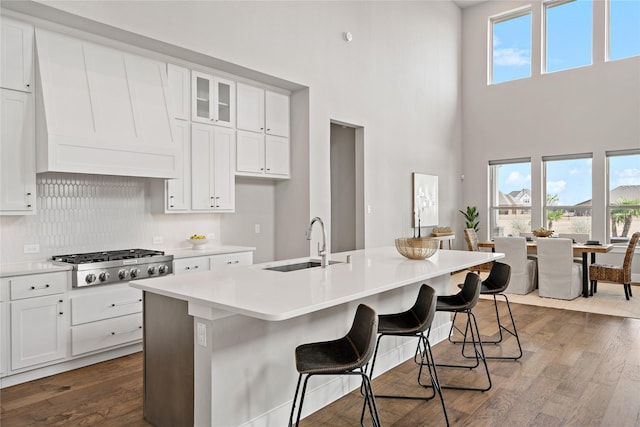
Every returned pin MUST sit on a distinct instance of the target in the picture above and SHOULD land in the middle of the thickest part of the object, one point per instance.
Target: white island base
(233, 332)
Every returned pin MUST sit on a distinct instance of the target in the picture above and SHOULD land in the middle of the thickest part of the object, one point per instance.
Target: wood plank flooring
(578, 369)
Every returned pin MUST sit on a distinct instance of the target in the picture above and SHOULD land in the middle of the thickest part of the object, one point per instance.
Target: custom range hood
(101, 111)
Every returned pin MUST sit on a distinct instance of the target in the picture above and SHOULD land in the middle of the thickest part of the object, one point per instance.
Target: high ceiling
(467, 3)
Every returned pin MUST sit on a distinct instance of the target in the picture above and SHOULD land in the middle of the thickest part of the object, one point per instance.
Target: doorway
(347, 187)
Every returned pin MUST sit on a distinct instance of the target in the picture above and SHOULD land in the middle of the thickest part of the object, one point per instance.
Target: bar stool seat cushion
(326, 357)
(452, 303)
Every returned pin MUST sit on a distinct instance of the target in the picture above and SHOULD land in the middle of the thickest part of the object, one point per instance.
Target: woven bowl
(542, 233)
(417, 247)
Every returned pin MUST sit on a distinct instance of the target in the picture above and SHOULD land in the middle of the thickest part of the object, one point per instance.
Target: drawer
(238, 258)
(37, 285)
(105, 305)
(189, 265)
(106, 333)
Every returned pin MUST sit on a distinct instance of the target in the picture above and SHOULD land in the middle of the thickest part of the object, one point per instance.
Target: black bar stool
(494, 285)
(413, 323)
(344, 356)
(463, 302)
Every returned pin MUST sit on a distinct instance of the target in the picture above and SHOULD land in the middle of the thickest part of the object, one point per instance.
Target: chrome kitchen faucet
(321, 251)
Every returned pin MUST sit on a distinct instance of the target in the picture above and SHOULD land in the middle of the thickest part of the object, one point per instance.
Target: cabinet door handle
(28, 85)
(128, 331)
(34, 288)
(116, 304)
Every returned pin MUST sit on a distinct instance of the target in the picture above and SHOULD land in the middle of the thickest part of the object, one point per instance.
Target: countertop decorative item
(542, 232)
(198, 241)
(417, 247)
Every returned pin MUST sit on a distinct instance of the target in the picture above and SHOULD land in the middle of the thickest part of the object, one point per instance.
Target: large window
(623, 210)
(624, 28)
(511, 46)
(510, 197)
(567, 197)
(568, 34)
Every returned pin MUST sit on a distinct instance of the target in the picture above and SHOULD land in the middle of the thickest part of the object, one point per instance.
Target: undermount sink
(298, 266)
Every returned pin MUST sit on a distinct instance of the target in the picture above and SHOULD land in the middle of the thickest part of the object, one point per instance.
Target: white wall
(399, 78)
(585, 110)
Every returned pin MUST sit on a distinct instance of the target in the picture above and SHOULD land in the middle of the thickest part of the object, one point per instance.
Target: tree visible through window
(567, 207)
(624, 195)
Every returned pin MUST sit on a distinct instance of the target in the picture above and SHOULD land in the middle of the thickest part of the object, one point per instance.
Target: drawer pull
(128, 331)
(233, 262)
(34, 288)
(116, 304)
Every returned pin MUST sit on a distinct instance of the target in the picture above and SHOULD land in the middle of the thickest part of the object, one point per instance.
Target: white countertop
(207, 251)
(30, 267)
(274, 295)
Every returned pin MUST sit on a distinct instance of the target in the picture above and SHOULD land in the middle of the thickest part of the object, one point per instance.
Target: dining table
(579, 249)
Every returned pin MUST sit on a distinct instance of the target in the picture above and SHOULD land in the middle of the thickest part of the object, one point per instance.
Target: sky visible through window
(569, 38)
(512, 49)
(569, 182)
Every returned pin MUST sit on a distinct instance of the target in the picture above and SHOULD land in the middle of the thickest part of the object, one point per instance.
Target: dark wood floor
(578, 369)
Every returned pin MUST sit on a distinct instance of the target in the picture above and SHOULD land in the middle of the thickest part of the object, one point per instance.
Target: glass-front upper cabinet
(212, 100)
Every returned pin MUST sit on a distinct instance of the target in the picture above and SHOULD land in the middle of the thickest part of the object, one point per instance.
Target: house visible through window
(510, 197)
(567, 197)
(568, 34)
(511, 46)
(623, 210)
(624, 28)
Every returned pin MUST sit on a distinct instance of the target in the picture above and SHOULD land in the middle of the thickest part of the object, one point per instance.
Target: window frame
(546, 5)
(607, 36)
(502, 17)
(543, 202)
(494, 200)
(608, 203)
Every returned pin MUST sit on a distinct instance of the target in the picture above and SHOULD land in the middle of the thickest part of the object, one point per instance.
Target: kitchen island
(220, 344)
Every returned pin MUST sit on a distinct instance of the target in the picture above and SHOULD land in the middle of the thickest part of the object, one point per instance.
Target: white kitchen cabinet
(105, 317)
(262, 146)
(16, 55)
(262, 155)
(276, 114)
(17, 153)
(39, 319)
(102, 111)
(212, 180)
(263, 111)
(179, 79)
(213, 99)
(232, 259)
(38, 330)
(108, 333)
(4, 338)
(191, 265)
(178, 191)
(250, 108)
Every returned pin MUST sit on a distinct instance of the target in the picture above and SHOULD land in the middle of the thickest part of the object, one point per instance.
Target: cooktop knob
(134, 272)
(90, 278)
(122, 273)
(151, 270)
(163, 269)
(104, 276)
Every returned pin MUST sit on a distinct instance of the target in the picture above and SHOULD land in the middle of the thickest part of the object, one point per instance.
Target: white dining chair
(558, 276)
(523, 270)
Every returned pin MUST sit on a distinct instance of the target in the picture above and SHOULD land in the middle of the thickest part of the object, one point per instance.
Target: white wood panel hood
(101, 111)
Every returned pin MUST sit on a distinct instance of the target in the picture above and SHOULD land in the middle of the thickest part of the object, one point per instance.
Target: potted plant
(471, 217)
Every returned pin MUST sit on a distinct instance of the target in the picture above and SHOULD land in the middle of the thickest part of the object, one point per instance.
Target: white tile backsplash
(81, 213)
